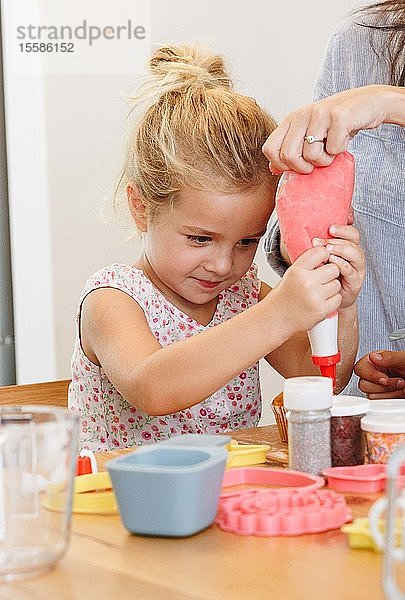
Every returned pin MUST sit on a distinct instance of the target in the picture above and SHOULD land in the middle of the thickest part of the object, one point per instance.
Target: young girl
(171, 344)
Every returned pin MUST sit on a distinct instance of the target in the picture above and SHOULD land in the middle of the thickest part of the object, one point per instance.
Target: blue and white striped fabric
(379, 196)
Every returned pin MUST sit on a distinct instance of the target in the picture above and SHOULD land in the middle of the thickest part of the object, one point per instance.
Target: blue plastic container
(198, 439)
(168, 490)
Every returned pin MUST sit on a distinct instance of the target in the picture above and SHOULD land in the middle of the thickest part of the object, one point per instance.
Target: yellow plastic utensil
(359, 535)
(244, 455)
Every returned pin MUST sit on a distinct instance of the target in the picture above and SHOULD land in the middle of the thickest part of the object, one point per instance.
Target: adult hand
(331, 122)
(382, 374)
(347, 254)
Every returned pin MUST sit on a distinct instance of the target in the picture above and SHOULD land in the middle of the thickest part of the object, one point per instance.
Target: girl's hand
(382, 374)
(309, 291)
(348, 256)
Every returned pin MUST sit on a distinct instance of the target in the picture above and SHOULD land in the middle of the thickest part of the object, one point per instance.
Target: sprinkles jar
(307, 401)
(384, 431)
(388, 406)
(346, 434)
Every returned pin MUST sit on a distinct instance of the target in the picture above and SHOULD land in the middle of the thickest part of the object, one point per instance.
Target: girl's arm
(115, 334)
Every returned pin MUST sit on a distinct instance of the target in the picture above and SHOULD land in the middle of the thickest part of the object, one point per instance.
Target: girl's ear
(137, 207)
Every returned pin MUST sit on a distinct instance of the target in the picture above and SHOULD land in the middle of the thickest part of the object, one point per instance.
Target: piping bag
(307, 205)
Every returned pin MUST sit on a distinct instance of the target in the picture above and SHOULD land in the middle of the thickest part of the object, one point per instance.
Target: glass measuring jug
(38, 448)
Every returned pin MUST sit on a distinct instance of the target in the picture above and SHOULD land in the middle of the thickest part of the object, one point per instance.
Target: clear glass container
(38, 450)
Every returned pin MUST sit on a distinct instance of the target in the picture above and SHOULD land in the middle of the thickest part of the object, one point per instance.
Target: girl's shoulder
(123, 277)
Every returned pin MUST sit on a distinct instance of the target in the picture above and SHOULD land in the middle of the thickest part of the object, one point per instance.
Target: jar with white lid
(307, 401)
(347, 437)
(384, 432)
(387, 406)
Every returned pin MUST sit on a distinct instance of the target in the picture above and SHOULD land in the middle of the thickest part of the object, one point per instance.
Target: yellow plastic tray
(93, 492)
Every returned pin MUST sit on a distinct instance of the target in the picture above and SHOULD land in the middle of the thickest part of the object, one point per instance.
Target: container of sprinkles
(384, 432)
(397, 406)
(347, 436)
(307, 401)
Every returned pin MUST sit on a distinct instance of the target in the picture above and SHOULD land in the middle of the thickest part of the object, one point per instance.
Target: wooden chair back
(50, 393)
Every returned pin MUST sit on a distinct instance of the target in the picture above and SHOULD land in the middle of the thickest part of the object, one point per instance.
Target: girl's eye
(248, 242)
(199, 239)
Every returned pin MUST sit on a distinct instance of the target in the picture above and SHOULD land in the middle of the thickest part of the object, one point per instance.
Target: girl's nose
(220, 263)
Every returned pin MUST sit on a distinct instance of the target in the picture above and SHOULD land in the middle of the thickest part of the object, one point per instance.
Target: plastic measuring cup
(38, 447)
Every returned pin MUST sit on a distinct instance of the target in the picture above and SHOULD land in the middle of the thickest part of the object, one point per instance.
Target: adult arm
(275, 250)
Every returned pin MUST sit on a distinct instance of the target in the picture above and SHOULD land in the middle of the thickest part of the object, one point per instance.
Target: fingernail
(376, 356)
(317, 242)
(400, 383)
(333, 229)
(330, 247)
(383, 381)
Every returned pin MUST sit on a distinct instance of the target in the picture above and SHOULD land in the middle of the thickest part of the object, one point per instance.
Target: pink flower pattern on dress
(108, 421)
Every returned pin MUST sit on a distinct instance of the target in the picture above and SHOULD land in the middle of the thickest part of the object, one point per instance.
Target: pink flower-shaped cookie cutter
(292, 504)
(267, 513)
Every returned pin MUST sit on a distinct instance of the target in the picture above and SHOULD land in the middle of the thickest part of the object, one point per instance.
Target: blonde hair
(192, 130)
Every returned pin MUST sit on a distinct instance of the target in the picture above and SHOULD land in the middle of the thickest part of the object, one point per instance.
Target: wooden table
(105, 561)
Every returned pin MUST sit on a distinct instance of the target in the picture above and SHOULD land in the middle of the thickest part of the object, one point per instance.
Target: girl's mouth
(207, 284)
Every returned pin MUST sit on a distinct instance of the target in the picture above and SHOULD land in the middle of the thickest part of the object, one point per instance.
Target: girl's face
(205, 243)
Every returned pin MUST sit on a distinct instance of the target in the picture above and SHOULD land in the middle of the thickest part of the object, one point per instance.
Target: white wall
(77, 120)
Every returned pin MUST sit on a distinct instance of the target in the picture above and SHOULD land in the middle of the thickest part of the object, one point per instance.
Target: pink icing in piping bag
(307, 205)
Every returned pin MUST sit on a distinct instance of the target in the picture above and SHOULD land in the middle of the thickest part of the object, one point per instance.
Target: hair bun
(188, 65)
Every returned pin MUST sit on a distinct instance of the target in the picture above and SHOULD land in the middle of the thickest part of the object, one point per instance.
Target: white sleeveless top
(108, 421)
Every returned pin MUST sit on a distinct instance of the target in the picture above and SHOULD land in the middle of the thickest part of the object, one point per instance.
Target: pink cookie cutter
(282, 479)
(360, 479)
(294, 512)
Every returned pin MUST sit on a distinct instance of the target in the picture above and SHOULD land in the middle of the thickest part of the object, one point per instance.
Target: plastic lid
(384, 422)
(345, 406)
(391, 406)
(308, 393)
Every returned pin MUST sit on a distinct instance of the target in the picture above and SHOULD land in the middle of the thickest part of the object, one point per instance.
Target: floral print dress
(108, 421)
